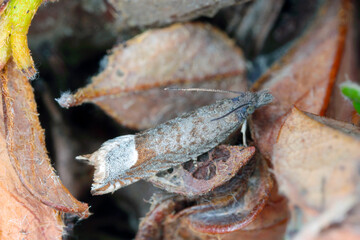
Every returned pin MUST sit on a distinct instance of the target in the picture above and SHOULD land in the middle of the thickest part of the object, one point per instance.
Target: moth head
(262, 98)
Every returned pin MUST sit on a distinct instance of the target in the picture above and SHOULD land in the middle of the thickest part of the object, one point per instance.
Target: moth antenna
(201, 90)
(233, 110)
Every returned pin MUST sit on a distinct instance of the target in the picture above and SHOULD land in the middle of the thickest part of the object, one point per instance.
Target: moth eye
(250, 109)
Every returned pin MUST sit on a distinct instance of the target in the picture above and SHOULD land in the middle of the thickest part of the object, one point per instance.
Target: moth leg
(243, 132)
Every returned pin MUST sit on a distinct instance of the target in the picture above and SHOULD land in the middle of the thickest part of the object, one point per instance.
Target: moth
(129, 158)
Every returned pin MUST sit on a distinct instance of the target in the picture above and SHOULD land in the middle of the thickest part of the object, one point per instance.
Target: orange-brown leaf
(22, 215)
(305, 76)
(339, 107)
(26, 145)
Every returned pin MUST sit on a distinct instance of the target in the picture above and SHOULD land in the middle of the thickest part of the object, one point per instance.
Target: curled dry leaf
(275, 212)
(208, 172)
(160, 12)
(151, 226)
(22, 215)
(26, 145)
(130, 89)
(228, 208)
(316, 162)
(270, 224)
(309, 69)
(232, 206)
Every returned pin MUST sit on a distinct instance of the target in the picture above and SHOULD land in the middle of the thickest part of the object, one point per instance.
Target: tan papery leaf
(316, 162)
(131, 87)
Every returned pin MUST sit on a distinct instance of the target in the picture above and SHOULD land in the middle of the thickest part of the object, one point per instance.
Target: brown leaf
(130, 89)
(305, 76)
(316, 162)
(270, 224)
(151, 226)
(318, 158)
(160, 12)
(26, 146)
(275, 211)
(228, 208)
(22, 215)
(339, 107)
(210, 171)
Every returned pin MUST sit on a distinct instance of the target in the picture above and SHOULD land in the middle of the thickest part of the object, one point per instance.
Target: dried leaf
(270, 224)
(339, 107)
(209, 171)
(130, 89)
(22, 215)
(228, 208)
(26, 145)
(316, 162)
(309, 70)
(160, 12)
(318, 157)
(238, 207)
(274, 213)
(151, 226)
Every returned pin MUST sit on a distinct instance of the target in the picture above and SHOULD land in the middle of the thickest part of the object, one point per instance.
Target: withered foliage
(32, 197)
(316, 161)
(131, 87)
(210, 170)
(308, 70)
(230, 208)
